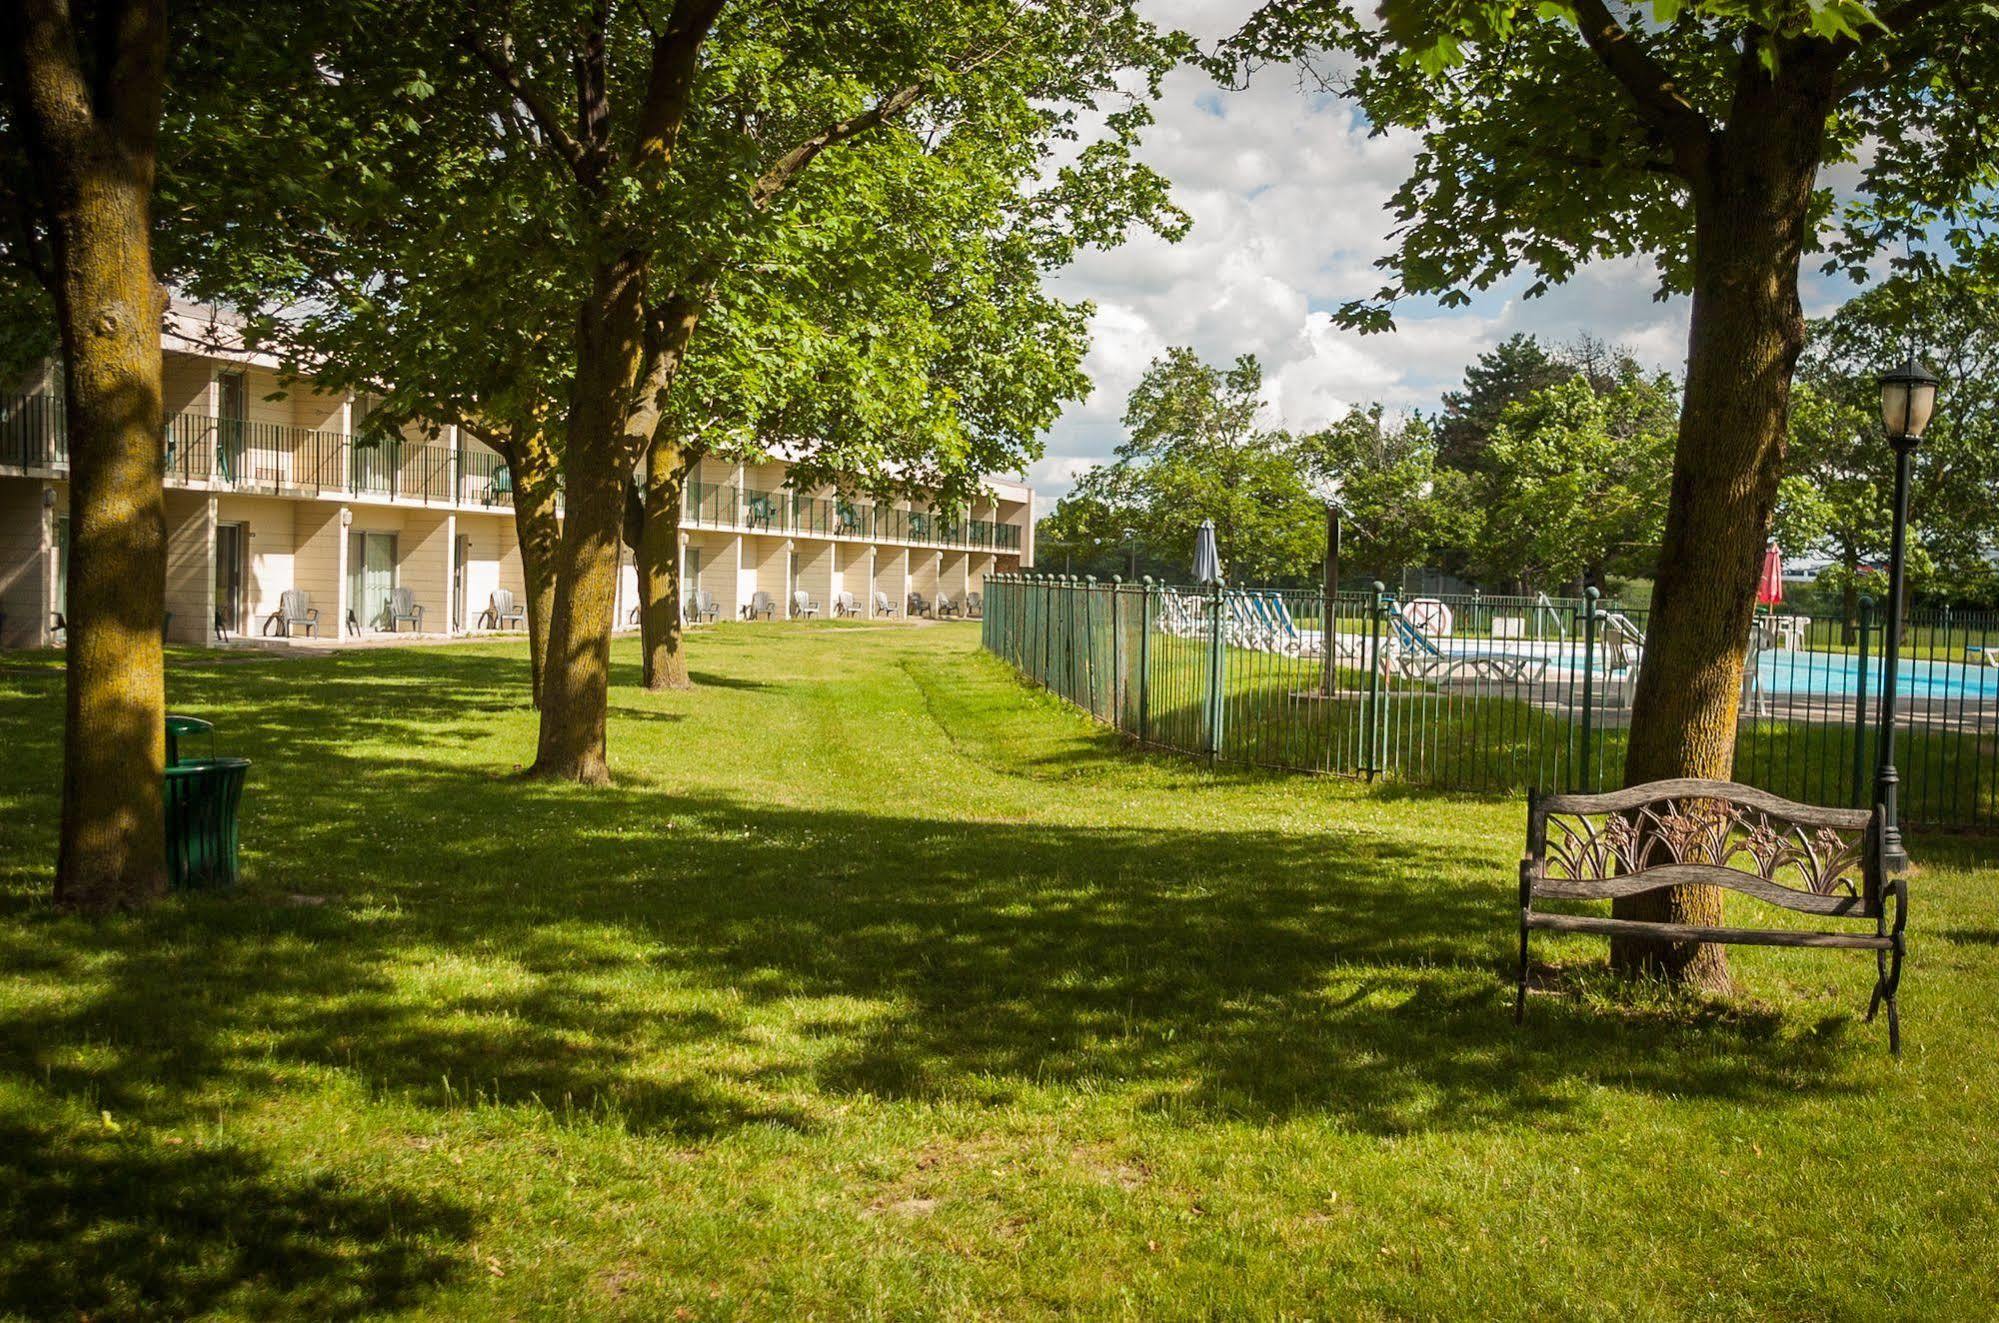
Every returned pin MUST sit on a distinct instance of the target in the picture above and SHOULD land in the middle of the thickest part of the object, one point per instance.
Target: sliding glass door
(371, 577)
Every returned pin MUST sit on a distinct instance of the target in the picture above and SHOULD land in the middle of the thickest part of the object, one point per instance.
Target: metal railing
(274, 459)
(778, 510)
(1462, 693)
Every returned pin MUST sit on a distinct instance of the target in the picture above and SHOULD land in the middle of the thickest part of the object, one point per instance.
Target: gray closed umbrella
(1207, 564)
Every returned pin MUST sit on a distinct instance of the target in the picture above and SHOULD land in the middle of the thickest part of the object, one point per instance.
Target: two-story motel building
(267, 491)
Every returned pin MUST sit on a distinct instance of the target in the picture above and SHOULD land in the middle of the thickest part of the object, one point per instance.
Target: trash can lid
(178, 725)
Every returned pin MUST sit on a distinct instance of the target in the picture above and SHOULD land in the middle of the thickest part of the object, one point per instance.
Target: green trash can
(203, 799)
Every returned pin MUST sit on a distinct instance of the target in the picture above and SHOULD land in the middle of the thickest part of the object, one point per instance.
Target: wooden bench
(1819, 861)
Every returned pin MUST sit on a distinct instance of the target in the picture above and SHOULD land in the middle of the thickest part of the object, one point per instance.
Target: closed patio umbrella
(1770, 583)
(1207, 564)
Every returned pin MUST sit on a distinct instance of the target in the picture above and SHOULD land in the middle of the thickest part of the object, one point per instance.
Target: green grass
(882, 986)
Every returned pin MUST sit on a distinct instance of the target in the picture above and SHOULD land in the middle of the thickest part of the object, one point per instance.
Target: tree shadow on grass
(1217, 972)
(632, 946)
(110, 1225)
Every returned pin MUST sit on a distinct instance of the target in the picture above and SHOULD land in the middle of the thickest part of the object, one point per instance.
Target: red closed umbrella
(1770, 583)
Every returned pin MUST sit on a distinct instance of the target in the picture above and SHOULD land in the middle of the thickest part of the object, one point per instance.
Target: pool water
(1836, 673)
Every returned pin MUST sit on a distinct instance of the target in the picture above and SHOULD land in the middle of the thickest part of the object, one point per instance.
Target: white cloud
(1288, 192)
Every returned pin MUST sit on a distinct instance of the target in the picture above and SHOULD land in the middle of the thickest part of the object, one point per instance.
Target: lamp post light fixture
(1131, 553)
(1908, 396)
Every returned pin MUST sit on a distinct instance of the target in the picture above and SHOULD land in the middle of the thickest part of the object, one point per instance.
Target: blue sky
(1288, 193)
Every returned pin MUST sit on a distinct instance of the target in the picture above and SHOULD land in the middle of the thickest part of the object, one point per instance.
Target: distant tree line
(1545, 470)
(1549, 468)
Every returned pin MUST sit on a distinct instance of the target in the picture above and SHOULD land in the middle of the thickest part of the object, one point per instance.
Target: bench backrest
(1706, 833)
(294, 603)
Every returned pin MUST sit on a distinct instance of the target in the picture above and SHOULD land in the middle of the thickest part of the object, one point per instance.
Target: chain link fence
(1497, 694)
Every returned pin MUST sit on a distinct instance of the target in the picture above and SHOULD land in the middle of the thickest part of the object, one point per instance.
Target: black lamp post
(1908, 394)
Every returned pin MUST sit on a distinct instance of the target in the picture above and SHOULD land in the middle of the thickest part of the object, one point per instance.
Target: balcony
(268, 459)
(762, 510)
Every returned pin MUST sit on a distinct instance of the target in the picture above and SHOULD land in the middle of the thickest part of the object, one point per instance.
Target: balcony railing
(769, 510)
(237, 455)
(270, 458)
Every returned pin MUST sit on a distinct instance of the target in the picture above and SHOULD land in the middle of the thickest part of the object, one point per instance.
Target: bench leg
(1889, 967)
(1520, 993)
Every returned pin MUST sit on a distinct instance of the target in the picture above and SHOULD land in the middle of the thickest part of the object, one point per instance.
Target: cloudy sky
(1287, 193)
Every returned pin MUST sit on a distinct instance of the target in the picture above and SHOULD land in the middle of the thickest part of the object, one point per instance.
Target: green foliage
(1840, 469)
(1400, 505)
(1575, 482)
(1193, 452)
(1540, 154)
(400, 220)
(1517, 365)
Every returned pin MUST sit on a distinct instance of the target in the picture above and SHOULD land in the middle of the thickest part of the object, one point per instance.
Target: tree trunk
(1751, 207)
(665, 665)
(540, 536)
(92, 160)
(596, 469)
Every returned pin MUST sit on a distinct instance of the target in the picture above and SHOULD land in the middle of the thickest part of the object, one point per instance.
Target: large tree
(1555, 134)
(82, 91)
(1575, 482)
(1402, 506)
(1194, 452)
(663, 163)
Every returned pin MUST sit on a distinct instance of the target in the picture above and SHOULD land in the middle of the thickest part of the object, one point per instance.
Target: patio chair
(403, 606)
(221, 628)
(975, 605)
(946, 607)
(760, 604)
(884, 604)
(845, 605)
(702, 606)
(502, 612)
(295, 612)
(917, 606)
(58, 627)
(802, 605)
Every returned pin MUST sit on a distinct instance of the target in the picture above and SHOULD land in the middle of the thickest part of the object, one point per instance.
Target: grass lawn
(882, 986)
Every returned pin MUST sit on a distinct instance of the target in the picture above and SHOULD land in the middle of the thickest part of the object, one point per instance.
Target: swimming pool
(1836, 673)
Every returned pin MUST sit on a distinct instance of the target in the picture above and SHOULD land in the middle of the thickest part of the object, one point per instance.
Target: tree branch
(1685, 129)
(558, 138)
(792, 163)
(670, 81)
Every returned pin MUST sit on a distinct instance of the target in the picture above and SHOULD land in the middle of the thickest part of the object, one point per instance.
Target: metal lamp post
(1131, 553)
(1908, 395)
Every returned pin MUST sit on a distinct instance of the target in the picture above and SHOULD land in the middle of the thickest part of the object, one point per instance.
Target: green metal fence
(1496, 694)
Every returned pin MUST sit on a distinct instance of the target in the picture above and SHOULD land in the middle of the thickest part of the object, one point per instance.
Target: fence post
(1374, 727)
(1586, 780)
(1090, 639)
(1117, 653)
(1048, 632)
(1860, 778)
(1215, 672)
(1145, 660)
